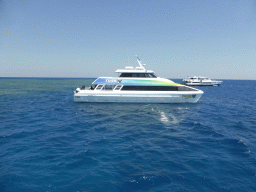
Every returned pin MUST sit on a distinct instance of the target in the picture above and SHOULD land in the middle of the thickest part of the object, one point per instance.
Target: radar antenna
(141, 65)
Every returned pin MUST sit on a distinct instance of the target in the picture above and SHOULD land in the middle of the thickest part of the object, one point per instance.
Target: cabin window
(156, 88)
(126, 75)
(99, 87)
(152, 75)
(150, 88)
(138, 75)
(109, 87)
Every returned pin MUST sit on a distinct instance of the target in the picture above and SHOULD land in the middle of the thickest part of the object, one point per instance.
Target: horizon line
(97, 77)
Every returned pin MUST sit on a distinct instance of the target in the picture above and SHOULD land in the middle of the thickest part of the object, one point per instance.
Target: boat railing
(118, 87)
(108, 87)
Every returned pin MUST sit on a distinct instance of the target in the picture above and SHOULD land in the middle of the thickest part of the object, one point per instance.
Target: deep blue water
(50, 143)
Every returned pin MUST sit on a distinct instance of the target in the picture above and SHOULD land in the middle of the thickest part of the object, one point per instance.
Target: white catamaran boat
(200, 81)
(137, 85)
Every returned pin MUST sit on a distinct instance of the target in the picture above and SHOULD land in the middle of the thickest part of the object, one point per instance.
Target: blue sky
(175, 38)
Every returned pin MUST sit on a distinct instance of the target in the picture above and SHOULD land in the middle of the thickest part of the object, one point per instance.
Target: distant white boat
(200, 81)
(137, 85)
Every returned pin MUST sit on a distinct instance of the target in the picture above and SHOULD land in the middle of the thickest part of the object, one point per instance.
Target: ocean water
(50, 143)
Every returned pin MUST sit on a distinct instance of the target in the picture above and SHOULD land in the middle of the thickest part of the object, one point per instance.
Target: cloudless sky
(91, 38)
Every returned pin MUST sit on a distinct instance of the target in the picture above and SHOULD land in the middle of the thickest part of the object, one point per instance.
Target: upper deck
(133, 70)
(136, 72)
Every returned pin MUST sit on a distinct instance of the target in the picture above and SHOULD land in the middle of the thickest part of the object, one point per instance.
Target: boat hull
(201, 84)
(212, 83)
(138, 97)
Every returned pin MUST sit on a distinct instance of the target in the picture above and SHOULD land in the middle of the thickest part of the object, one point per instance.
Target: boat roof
(140, 69)
(133, 70)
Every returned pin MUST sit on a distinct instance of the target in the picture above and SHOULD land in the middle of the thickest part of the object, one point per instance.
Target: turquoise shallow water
(50, 143)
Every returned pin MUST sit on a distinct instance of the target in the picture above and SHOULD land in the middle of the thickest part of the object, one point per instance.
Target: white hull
(200, 81)
(138, 96)
(212, 83)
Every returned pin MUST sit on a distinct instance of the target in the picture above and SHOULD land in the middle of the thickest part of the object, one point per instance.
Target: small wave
(146, 182)
(240, 141)
(164, 118)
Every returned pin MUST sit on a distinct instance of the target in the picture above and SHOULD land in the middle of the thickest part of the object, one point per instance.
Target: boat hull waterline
(142, 97)
(215, 83)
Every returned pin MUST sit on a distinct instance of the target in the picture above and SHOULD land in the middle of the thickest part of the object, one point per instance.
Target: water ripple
(50, 143)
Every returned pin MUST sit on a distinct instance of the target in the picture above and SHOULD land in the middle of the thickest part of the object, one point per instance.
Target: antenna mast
(141, 65)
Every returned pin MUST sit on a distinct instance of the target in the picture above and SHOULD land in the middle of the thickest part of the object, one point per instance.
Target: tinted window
(150, 88)
(156, 88)
(108, 87)
(152, 75)
(126, 75)
(138, 75)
